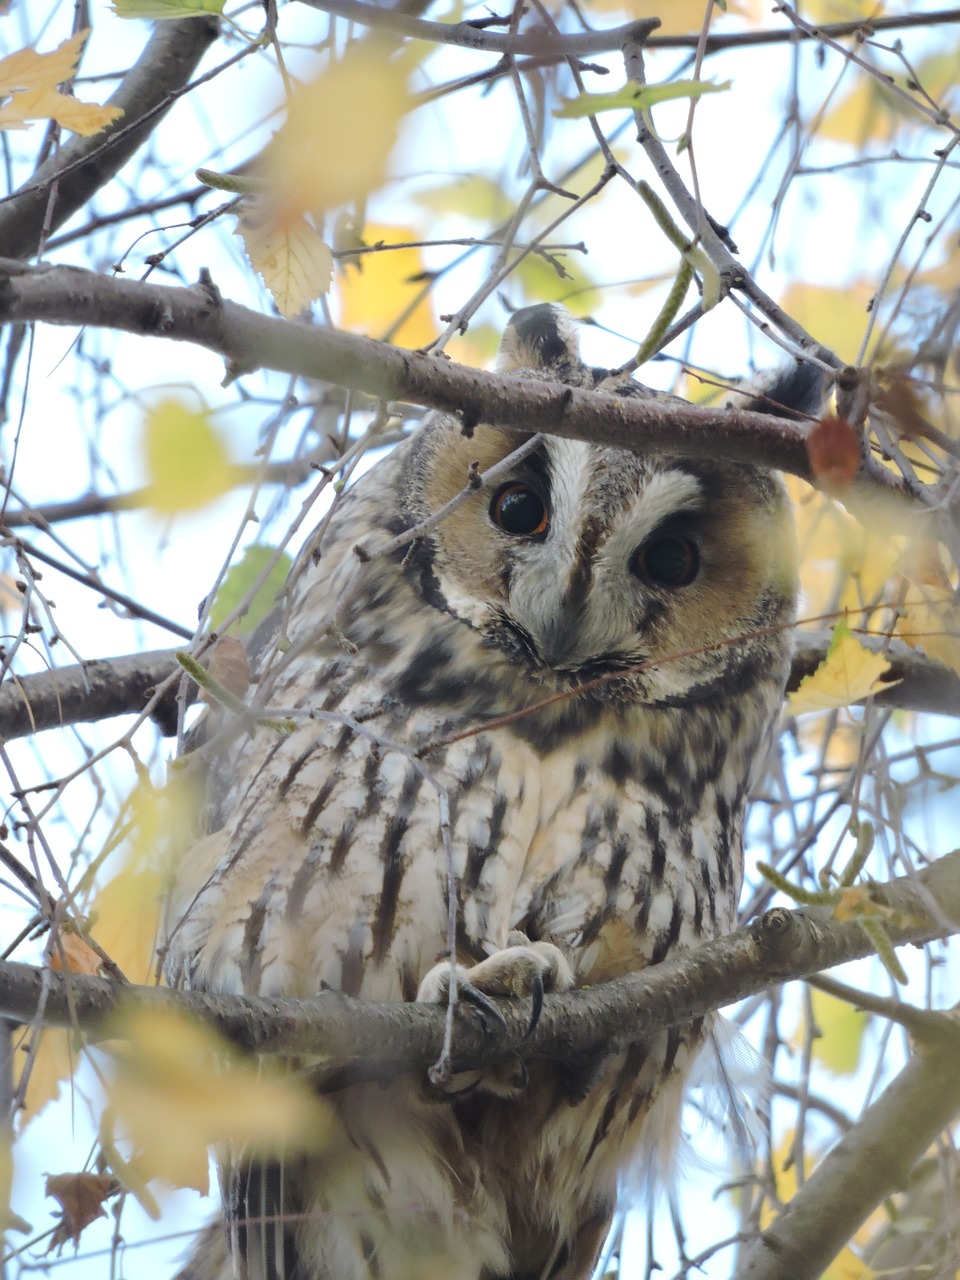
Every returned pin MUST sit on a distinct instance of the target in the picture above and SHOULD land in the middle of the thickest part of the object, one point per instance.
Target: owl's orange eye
(520, 511)
(667, 562)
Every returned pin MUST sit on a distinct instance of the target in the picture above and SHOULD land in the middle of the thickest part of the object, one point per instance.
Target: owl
(635, 609)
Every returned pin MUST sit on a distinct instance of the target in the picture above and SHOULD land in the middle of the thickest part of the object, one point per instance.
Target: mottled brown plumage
(605, 828)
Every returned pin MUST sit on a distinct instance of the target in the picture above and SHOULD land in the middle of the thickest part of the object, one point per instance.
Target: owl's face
(586, 562)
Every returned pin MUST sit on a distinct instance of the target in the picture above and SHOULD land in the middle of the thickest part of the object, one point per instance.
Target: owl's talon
(536, 997)
(470, 995)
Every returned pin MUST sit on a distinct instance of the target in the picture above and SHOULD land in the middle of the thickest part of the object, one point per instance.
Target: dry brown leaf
(833, 448)
(74, 955)
(230, 665)
(80, 1197)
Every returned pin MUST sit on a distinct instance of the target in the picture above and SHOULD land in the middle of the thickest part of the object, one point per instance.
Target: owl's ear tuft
(541, 337)
(793, 390)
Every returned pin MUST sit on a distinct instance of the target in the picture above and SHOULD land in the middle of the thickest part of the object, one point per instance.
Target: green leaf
(636, 97)
(238, 582)
(166, 8)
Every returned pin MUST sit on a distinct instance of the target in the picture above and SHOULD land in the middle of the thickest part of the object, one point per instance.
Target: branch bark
(249, 340)
(105, 687)
(83, 165)
(372, 1040)
(869, 1163)
(81, 693)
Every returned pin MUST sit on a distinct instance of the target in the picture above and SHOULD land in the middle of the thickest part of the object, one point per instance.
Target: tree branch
(249, 340)
(81, 693)
(542, 41)
(105, 687)
(539, 41)
(83, 165)
(869, 1163)
(380, 1040)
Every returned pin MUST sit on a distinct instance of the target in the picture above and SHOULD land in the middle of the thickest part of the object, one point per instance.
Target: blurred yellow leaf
(542, 282)
(185, 458)
(288, 253)
(837, 317)
(872, 112)
(9, 1221)
(29, 79)
(153, 9)
(339, 132)
(381, 298)
(679, 17)
(848, 673)
(930, 620)
(467, 195)
(55, 1061)
(127, 911)
(839, 1046)
(178, 1089)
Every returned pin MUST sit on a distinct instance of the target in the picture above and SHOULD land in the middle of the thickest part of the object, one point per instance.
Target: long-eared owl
(591, 837)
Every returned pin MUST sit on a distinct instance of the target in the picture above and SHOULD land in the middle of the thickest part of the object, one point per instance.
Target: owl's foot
(521, 968)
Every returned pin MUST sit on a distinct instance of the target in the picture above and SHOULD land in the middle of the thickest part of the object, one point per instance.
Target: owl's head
(663, 577)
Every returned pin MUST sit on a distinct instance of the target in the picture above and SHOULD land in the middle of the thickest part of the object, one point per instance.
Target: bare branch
(870, 1162)
(249, 340)
(538, 41)
(380, 1040)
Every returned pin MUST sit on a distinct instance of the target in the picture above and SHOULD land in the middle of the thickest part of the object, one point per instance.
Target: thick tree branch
(105, 687)
(373, 1039)
(81, 693)
(83, 165)
(870, 1162)
(249, 340)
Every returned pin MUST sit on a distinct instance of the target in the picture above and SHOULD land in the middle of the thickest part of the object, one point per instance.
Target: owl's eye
(667, 561)
(520, 511)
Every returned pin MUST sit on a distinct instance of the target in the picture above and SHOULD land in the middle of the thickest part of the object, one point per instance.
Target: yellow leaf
(383, 298)
(29, 79)
(339, 131)
(467, 195)
(836, 316)
(931, 621)
(55, 1061)
(178, 1089)
(679, 17)
(125, 911)
(541, 282)
(185, 458)
(839, 1046)
(288, 253)
(9, 1221)
(848, 673)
